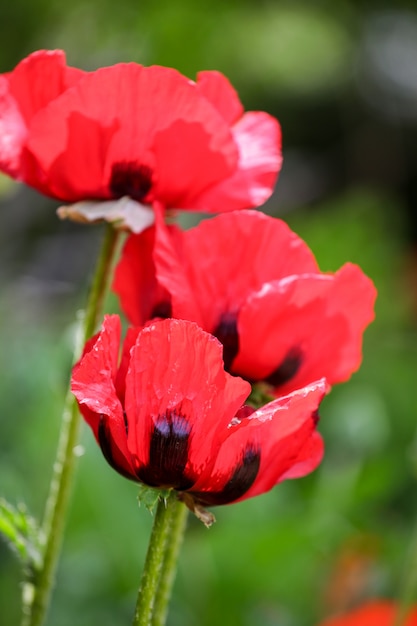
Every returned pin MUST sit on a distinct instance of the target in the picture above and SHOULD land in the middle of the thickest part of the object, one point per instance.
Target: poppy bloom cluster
(169, 416)
(253, 283)
(148, 133)
(239, 295)
(375, 613)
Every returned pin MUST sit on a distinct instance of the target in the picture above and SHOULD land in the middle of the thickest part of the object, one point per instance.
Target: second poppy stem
(37, 591)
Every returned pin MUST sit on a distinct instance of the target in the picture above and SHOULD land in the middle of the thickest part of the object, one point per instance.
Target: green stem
(159, 567)
(178, 522)
(37, 593)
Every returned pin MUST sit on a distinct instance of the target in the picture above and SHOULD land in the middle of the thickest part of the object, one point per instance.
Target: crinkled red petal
(176, 369)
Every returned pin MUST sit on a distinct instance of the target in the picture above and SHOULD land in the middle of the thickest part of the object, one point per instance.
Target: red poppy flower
(254, 284)
(169, 415)
(375, 613)
(148, 133)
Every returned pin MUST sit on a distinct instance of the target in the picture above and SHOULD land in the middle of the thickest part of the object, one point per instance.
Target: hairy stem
(178, 522)
(161, 562)
(37, 591)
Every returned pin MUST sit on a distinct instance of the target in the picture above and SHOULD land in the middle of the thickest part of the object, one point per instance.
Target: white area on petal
(123, 213)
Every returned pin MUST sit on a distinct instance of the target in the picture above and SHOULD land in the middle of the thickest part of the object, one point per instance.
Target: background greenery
(341, 77)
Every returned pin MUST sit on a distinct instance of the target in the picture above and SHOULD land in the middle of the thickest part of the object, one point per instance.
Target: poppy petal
(176, 380)
(312, 326)
(35, 81)
(218, 90)
(150, 279)
(40, 78)
(309, 458)
(279, 434)
(142, 297)
(225, 277)
(13, 131)
(93, 384)
(203, 269)
(121, 113)
(196, 271)
(258, 139)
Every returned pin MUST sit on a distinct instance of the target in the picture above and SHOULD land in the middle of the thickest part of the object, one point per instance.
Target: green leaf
(150, 497)
(21, 533)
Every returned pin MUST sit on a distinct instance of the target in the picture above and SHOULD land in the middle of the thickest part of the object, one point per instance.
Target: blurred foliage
(310, 547)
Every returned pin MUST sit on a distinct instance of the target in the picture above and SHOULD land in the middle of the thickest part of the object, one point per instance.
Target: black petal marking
(128, 178)
(162, 309)
(105, 441)
(242, 479)
(288, 368)
(226, 333)
(168, 453)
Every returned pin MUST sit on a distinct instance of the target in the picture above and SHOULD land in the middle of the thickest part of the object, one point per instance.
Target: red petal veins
(280, 431)
(218, 90)
(222, 272)
(177, 368)
(93, 384)
(202, 274)
(373, 613)
(321, 317)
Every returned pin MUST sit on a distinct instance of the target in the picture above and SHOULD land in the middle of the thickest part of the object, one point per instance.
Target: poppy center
(129, 178)
(240, 481)
(287, 369)
(168, 453)
(227, 333)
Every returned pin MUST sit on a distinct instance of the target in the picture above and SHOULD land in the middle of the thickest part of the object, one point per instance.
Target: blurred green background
(342, 78)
